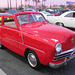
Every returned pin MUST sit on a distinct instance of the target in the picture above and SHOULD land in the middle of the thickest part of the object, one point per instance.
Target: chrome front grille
(64, 54)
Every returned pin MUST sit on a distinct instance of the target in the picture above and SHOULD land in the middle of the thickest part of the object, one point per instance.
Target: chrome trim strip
(10, 28)
(70, 50)
(14, 40)
(64, 54)
(61, 56)
(35, 48)
(25, 45)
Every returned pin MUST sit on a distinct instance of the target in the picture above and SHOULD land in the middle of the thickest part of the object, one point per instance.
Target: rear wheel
(1, 46)
(60, 24)
(33, 60)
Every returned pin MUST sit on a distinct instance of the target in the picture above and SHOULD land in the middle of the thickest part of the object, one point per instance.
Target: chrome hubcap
(0, 44)
(32, 59)
(60, 24)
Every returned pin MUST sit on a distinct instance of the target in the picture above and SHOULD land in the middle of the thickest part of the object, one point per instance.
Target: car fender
(44, 50)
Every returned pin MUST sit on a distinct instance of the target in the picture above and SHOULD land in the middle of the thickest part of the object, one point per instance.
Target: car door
(69, 20)
(0, 27)
(73, 20)
(21, 20)
(10, 34)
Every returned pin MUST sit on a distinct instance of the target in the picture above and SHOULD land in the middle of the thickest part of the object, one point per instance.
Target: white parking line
(2, 72)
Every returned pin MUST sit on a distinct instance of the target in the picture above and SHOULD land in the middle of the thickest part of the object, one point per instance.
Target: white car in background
(66, 19)
(46, 14)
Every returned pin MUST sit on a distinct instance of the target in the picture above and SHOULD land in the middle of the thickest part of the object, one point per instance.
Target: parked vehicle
(46, 14)
(50, 10)
(63, 11)
(2, 11)
(57, 13)
(30, 10)
(73, 10)
(67, 19)
(4, 14)
(12, 11)
(30, 35)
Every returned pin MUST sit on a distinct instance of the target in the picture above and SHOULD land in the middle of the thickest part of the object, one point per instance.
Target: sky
(3, 3)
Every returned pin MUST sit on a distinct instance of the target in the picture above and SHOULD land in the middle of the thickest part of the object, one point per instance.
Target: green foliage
(20, 8)
(43, 7)
(70, 6)
(6, 9)
(62, 6)
(30, 6)
(37, 1)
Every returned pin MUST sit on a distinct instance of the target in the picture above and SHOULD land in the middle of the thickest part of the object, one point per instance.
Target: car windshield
(47, 13)
(24, 18)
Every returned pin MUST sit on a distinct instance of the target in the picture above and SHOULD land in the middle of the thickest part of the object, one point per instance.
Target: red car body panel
(57, 14)
(37, 37)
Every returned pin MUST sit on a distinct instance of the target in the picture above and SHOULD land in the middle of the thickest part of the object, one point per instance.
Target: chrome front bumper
(65, 61)
(62, 63)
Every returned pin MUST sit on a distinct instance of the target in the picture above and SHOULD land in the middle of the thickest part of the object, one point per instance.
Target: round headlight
(58, 47)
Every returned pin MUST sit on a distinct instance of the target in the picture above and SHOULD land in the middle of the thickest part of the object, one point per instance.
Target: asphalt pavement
(14, 64)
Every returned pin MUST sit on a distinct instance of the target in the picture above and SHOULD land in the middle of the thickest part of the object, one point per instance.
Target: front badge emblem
(72, 40)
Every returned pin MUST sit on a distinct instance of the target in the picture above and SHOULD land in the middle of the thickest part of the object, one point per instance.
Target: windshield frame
(28, 18)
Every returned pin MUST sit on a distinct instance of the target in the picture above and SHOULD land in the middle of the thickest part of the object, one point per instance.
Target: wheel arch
(56, 23)
(39, 54)
(25, 52)
(59, 22)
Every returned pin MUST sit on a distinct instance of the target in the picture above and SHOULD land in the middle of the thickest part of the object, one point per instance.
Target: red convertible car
(29, 35)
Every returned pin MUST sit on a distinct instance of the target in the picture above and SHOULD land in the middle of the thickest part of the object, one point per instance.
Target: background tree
(43, 7)
(31, 6)
(21, 2)
(29, 3)
(26, 3)
(8, 3)
(6, 9)
(50, 7)
(33, 2)
(62, 6)
(70, 6)
(55, 6)
(37, 1)
(16, 4)
(20, 7)
(44, 2)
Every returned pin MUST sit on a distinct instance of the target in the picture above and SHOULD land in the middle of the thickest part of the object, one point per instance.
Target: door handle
(18, 34)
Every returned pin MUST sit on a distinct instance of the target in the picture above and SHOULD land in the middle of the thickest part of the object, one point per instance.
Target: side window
(0, 20)
(69, 15)
(22, 19)
(31, 18)
(9, 21)
(74, 15)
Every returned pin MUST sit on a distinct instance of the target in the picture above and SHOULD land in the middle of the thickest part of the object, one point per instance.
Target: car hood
(46, 30)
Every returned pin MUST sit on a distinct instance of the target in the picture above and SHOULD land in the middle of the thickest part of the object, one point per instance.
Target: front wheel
(33, 60)
(60, 24)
